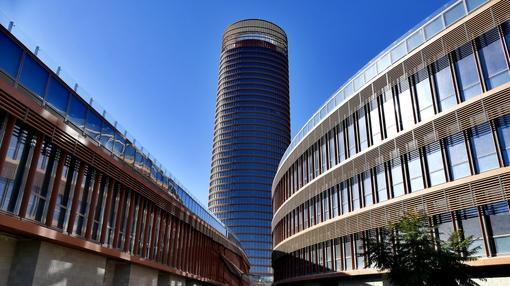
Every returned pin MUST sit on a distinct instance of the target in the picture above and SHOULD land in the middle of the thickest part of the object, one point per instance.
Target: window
(397, 178)
(415, 171)
(503, 127)
(499, 221)
(340, 139)
(331, 148)
(76, 113)
(347, 249)
(344, 198)
(443, 84)
(67, 183)
(334, 202)
(351, 136)
(43, 177)
(375, 121)
(482, 146)
(382, 193)
(423, 95)
(94, 125)
(11, 175)
(492, 59)
(57, 96)
(325, 205)
(436, 174)
(405, 104)
(338, 254)
(107, 138)
(316, 159)
(312, 212)
(324, 155)
(456, 152)
(33, 76)
(360, 250)
(470, 224)
(389, 114)
(10, 56)
(466, 72)
(356, 202)
(444, 226)
(367, 188)
(362, 129)
(506, 33)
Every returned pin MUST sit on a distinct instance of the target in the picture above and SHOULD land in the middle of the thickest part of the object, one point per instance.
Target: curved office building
(82, 203)
(251, 133)
(423, 127)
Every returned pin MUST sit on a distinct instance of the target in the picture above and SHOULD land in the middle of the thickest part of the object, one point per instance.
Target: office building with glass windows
(251, 133)
(423, 127)
(81, 202)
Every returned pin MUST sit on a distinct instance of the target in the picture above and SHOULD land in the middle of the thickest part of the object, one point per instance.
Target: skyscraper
(251, 133)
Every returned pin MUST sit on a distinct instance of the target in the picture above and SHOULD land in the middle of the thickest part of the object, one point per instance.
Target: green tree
(410, 253)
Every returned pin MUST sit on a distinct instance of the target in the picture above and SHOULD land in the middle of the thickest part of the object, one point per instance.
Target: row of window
(463, 154)
(452, 79)
(42, 183)
(488, 225)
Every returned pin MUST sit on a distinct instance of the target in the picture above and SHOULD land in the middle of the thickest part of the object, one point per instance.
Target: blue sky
(154, 64)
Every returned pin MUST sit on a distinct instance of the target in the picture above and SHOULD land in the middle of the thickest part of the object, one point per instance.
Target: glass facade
(416, 143)
(252, 131)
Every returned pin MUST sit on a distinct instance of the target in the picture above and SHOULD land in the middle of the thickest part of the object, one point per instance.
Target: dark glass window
(506, 32)
(94, 125)
(482, 146)
(435, 165)
(415, 171)
(331, 148)
(334, 202)
(424, 95)
(10, 55)
(470, 224)
(344, 197)
(76, 113)
(492, 59)
(347, 249)
(444, 225)
(499, 220)
(503, 126)
(443, 83)
(466, 72)
(119, 145)
(33, 76)
(57, 96)
(456, 152)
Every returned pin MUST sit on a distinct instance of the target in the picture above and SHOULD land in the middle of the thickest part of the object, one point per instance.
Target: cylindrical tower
(251, 133)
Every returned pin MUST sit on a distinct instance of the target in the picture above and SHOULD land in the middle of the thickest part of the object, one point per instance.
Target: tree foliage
(412, 255)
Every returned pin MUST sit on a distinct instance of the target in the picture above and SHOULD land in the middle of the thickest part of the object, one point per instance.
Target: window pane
(405, 104)
(503, 125)
(107, 138)
(10, 56)
(473, 4)
(382, 193)
(397, 178)
(443, 83)
(33, 76)
(356, 202)
(492, 59)
(94, 125)
(76, 113)
(351, 136)
(499, 220)
(367, 188)
(57, 96)
(455, 13)
(415, 171)
(344, 198)
(424, 95)
(340, 139)
(433, 27)
(362, 128)
(470, 224)
(506, 33)
(389, 114)
(444, 225)
(375, 122)
(467, 72)
(482, 146)
(457, 156)
(435, 164)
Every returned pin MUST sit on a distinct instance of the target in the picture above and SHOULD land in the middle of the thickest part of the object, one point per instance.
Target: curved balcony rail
(444, 17)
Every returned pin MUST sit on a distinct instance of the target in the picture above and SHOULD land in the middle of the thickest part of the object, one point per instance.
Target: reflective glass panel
(10, 56)
(415, 171)
(499, 220)
(424, 95)
(503, 126)
(492, 59)
(482, 146)
(435, 165)
(57, 96)
(466, 72)
(456, 152)
(76, 112)
(33, 76)
(397, 178)
(443, 83)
